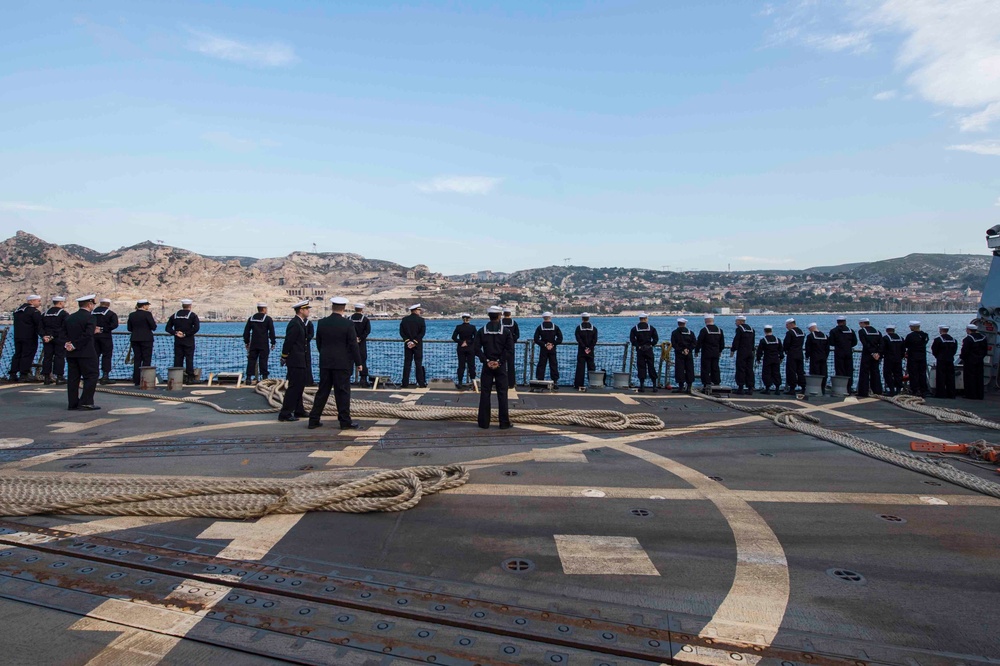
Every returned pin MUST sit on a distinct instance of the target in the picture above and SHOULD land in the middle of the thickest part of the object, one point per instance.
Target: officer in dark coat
(743, 348)
(363, 328)
(944, 349)
(53, 344)
(974, 350)
(464, 337)
(869, 377)
(643, 338)
(78, 342)
(770, 353)
(184, 325)
(339, 357)
(795, 365)
(586, 346)
(548, 337)
(817, 350)
(293, 357)
(412, 329)
(105, 321)
(493, 342)
(27, 331)
(141, 325)
(711, 342)
(310, 335)
(915, 350)
(259, 340)
(843, 340)
(893, 348)
(683, 342)
(508, 321)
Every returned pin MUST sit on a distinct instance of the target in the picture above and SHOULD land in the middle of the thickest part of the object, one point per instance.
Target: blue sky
(506, 135)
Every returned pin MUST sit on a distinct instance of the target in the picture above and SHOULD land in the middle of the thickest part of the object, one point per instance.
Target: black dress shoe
(301, 415)
(654, 389)
(349, 426)
(287, 418)
(315, 424)
(89, 408)
(73, 409)
(485, 427)
(642, 390)
(506, 426)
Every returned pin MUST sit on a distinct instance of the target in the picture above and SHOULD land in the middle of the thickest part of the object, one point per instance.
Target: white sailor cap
(186, 301)
(914, 323)
(943, 327)
(33, 297)
(682, 320)
(105, 300)
(507, 310)
(88, 297)
(465, 315)
(790, 320)
(546, 314)
(262, 304)
(739, 317)
(142, 301)
(302, 304)
(338, 300)
(813, 325)
(971, 327)
(709, 316)
(890, 327)
(359, 306)
(643, 315)
(493, 310)
(585, 315)
(865, 320)
(768, 327)
(58, 299)
(416, 306)
(841, 318)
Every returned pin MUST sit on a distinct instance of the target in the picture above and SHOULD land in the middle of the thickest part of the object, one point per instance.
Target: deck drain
(715, 478)
(306, 468)
(641, 512)
(418, 453)
(932, 483)
(847, 576)
(517, 565)
(594, 451)
(766, 455)
(76, 465)
(891, 519)
(510, 472)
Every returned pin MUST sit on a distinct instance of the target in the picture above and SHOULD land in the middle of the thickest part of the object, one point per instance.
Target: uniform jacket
(259, 331)
(53, 322)
(337, 342)
(105, 319)
(794, 343)
(915, 345)
(79, 331)
(183, 321)
(817, 346)
(770, 349)
(141, 324)
(552, 335)
(412, 327)
(27, 323)
(681, 339)
(464, 333)
(644, 337)
(743, 340)
(892, 347)
(944, 348)
(871, 340)
(843, 340)
(293, 351)
(494, 342)
(711, 341)
(974, 348)
(362, 326)
(512, 326)
(586, 336)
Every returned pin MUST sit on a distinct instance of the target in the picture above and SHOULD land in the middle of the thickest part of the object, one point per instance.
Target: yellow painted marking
(625, 399)
(208, 392)
(369, 434)
(387, 422)
(115, 524)
(514, 490)
(557, 455)
(251, 541)
(348, 457)
(130, 411)
(10, 386)
(603, 555)
(69, 427)
(512, 394)
(132, 646)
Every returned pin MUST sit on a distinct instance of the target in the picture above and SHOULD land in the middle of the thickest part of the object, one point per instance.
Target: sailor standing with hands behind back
(493, 342)
(412, 329)
(81, 356)
(643, 337)
(105, 320)
(259, 340)
(53, 351)
(293, 357)
(339, 355)
(141, 325)
(548, 337)
(586, 342)
(464, 337)
(184, 325)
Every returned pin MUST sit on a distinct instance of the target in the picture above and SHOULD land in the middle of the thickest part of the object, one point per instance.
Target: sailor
(743, 347)
(795, 366)
(586, 344)
(944, 348)
(711, 342)
(974, 350)
(508, 321)
(464, 337)
(915, 350)
(412, 329)
(310, 334)
(27, 331)
(53, 350)
(363, 328)
(643, 338)
(105, 321)
(493, 342)
(77, 338)
(548, 337)
(339, 356)
(893, 348)
(683, 342)
(843, 340)
(869, 378)
(770, 352)
(293, 356)
(184, 325)
(817, 349)
(259, 340)
(141, 325)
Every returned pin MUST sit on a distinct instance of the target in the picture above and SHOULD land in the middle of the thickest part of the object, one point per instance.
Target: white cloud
(981, 120)
(21, 207)
(997, 204)
(856, 42)
(271, 54)
(460, 184)
(885, 96)
(980, 148)
(238, 144)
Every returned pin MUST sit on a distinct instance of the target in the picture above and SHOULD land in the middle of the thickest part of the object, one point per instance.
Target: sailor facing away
(915, 351)
(643, 338)
(683, 342)
(586, 344)
(770, 353)
(493, 342)
(974, 351)
(795, 366)
(548, 337)
(27, 331)
(711, 342)
(184, 325)
(507, 319)
(363, 328)
(105, 321)
(464, 337)
(259, 340)
(53, 341)
(869, 378)
(339, 356)
(843, 340)
(293, 357)
(817, 350)
(743, 348)
(893, 348)
(141, 325)
(944, 348)
(412, 329)
(81, 357)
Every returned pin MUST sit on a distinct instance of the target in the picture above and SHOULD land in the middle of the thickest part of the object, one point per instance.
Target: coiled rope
(794, 419)
(235, 499)
(943, 414)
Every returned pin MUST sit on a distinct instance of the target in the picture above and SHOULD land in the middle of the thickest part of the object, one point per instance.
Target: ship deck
(719, 540)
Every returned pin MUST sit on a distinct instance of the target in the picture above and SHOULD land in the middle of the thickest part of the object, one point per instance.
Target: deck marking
(251, 541)
(69, 427)
(46, 390)
(387, 422)
(208, 392)
(557, 455)
(512, 394)
(625, 399)
(161, 401)
(934, 501)
(14, 442)
(603, 555)
(368, 434)
(114, 524)
(346, 458)
(130, 411)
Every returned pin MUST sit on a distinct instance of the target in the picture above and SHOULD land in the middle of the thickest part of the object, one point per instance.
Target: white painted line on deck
(347, 458)
(557, 455)
(251, 541)
(603, 555)
(115, 524)
(387, 422)
(70, 427)
(14, 442)
(132, 411)
(625, 399)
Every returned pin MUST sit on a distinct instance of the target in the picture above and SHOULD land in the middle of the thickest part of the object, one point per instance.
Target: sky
(687, 134)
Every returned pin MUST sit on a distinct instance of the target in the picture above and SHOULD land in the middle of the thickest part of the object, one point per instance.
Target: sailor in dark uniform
(893, 348)
(464, 337)
(259, 340)
(293, 357)
(105, 321)
(27, 331)
(548, 337)
(915, 350)
(141, 325)
(310, 335)
(743, 348)
(508, 321)
(770, 353)
(78, 342)
(711, 342)
(795, 365)
(974, 350)
(586, 345)
(363, 328)
(412, 329)
(683, 342)
(869, 378)
(817, 350)
(339, 357)
(643, 338)
(493, 342)
(843, 340)
(53, 344)
(184, 325)
(944, 349)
